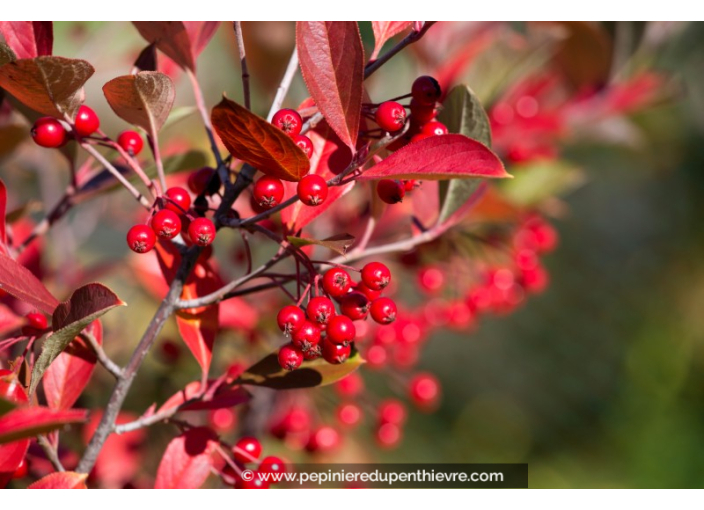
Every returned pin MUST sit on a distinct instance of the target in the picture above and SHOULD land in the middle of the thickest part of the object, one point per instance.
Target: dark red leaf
(25, 422)
(255, 141)
(28, 39)
(63, 480)
(439, 157)
(187, 460)
(17, 280)
(3, 210)
(223, 396)
(181, 41)
(332, 62)
(385, 30)
(200, 33)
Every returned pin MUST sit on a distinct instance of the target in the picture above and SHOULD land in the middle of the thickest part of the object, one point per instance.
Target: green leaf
(537, 181)
(339, 243)
(318, 372)
(462, 113)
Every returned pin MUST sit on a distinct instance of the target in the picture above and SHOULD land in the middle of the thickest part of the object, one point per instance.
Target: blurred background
(595, 382)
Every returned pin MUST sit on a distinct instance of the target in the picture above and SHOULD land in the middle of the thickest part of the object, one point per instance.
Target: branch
(284, 85)
(109, 364)
(371, 67)
(200, 103)
(51, 454)
(237, 25)
(154, 145)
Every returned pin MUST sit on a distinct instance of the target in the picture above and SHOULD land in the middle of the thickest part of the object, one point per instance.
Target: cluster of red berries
(320, 330)
(168, 222)
(246, 453)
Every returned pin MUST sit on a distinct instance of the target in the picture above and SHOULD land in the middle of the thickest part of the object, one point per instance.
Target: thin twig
(409, 39)
(285, 84)
(202, 108)
(51, 453)
(154, 145)
(237, 25)
(109, 364)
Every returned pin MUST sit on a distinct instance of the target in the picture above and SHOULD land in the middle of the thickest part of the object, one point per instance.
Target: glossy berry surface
(268, 192)
(320, 309)
(198, 181)
(383, 310)
(177, 200)
(336, 354)
(141, 239)
(131, 142)
(390, 191)
(426, 90)
(390, 115)
(370, 293)
(166, 224)
(290, 319)
(247, 449)
(341, 330)
(307, 337)
(434, 128)
(272, 465)
(336, 282)
(87, 121)
(201, 231)
(355, 305)
(312, 190)
(288, 121)
(36, 320)
(49, 132)
(305, 144)
(290, 358)
(376, 275)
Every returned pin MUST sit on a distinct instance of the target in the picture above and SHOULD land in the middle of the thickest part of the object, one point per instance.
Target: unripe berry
(425, 390)
(383, 310)
(201, 231)
(49, 132)
(341, 330)
(307, 337)
(434, 128)
(268, 192)
(198, 181)
(289, 121)
(426, 90)
(290, 319)
(290, 358)
(131, 142)
(141, 238)
(336, 282)
(247, 449)
(390, 191)
(390, 115)
(87, 121)
(305, 144)
(336, 354)
(376, 275)
(166, 224)
(355, 305)
(312, 190)
(177, 200)
(320, 309)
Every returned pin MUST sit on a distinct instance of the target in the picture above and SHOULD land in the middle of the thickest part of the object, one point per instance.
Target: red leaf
(11, 454)
(187, 460)
(223, 396)
(254, 140)
(198, 332)
(63, 480)
(385, 30)
(332, 63)
(425, 203)
(68, 375)
(199, 34)
(18, 281)
(9, 320)
(439, 157)
(28, 39)
(171, 37)
(25, 422)
(237, 314)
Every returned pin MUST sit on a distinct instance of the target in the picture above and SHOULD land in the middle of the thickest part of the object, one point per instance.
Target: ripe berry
(425, 390)
(434, 128)
(312, 190)
(131, 142)
(371, 294)
(272, 465)
(268, 192)
(355, 305)
(376, 275)
(201, 231)
(336, 354)
(290, 358)
(320, 309)
(422, 113)
(141, 238)
(257, 482)
(336, 282)
(87, 121)
(341, 330)
(383, 310)
(307, 337)
(392, 411)
(178, 200)
(21, 470)
(390, 191)
(313, 353)
(36, 320)
(166, 224)
(49, 132)
(410, 185)
(288, 121)
(247, 449)
(426, 90)
(305, 144)
(290, 319)
(419, 137)
(391, 116)
(323, 439)
(431, 279)
(350, 386)
(349, 414)
(198, 181)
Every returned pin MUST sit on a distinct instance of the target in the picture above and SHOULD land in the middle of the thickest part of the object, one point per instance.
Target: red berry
(272, 465)
(350, 386)
(312, 190)
(201, 231)
(390, 191)
(434, 128)
(431, 279)
(410, 185)
(355, 305)
(425, 390)
(290, 358)
(10, 387)
(131, 142)
(141, 238)
(257, 482)
(336, 354)
(426, 90)
(178, 200)
(341, 330)
(313, 353)
(268, 192)
(290, 319)
(36, 320)
(307, 337)
(21, 470)
(247, 449)
(323, 439)
(336, 282)
(87, 121)
(349, 414)
(376, 356)
(166, 224)
(288, 121)
(49, 132)
(390, 115)
(371, 294)
(392, 411)
(320, 309)
(383, 310)
(422, 113)
(305, 144)
(198, 181)
(376, 275)
(419, 137)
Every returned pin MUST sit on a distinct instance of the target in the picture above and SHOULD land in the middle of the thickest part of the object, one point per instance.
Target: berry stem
(237, 26)
(373, 66)
(133, 163)
(153, 139)
(223, 171)
(103, 358)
